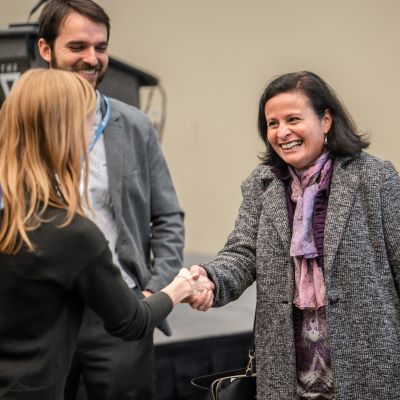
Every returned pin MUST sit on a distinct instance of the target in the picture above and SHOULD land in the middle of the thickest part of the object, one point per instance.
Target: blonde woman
(52, 259)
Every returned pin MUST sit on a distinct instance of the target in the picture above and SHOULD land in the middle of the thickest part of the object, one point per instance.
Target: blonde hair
(43, 125)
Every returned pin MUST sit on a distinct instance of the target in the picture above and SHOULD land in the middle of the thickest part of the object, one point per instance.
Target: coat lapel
(114, 150)
(343, 189)
(274, 206)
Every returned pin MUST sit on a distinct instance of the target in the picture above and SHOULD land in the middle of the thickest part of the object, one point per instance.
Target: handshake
(202, 288)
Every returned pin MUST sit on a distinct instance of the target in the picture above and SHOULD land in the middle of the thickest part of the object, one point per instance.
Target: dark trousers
(111, 368)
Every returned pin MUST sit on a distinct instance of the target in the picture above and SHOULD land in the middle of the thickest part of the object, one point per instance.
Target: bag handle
(252, 349)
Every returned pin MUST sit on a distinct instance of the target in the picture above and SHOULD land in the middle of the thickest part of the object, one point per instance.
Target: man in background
(133, 198)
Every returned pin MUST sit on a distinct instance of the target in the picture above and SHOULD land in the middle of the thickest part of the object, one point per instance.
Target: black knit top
(42, 297)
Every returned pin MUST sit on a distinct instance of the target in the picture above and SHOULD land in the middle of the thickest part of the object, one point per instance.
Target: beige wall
(214, 58)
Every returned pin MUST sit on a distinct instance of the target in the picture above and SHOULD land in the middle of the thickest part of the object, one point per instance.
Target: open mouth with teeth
(89, 71)
(291, 145)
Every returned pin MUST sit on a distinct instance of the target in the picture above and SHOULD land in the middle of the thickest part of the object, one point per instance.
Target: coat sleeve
(102, 288)
(167, 229)
(391, 220)
(234, 268)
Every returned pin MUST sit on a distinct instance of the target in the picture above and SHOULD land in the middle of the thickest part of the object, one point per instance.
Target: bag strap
(252, 349)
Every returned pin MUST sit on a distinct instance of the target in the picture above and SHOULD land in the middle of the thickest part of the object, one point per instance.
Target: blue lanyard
(102, 125)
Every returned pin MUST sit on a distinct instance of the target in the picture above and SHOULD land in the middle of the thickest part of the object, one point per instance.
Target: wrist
(178, 289)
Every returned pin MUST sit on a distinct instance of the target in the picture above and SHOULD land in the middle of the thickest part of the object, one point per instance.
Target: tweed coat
(362, 274)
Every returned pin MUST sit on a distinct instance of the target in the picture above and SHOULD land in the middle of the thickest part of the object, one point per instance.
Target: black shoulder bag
(229, 385)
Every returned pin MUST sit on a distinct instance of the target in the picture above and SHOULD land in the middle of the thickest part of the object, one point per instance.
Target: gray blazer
(362, 273)
(148, 216)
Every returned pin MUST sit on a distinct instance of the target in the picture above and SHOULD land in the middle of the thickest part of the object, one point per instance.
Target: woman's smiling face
(295, 131)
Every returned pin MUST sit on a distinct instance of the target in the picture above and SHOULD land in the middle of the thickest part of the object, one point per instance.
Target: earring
(326, 139)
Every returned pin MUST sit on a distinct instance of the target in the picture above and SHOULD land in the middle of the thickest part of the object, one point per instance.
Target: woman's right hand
(202, 301)
(187, 286)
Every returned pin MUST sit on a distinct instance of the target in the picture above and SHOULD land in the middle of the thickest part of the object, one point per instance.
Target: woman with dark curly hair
(319, 230)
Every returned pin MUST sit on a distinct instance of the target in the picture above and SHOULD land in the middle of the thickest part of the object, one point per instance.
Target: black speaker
(19, 52)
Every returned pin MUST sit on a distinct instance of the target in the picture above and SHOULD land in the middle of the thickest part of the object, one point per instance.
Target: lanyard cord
(102, 125)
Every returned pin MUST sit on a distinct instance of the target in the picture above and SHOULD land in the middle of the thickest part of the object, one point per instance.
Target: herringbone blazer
(362, 274)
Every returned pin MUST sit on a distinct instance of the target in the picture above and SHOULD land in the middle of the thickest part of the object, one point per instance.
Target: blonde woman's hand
(198, 282)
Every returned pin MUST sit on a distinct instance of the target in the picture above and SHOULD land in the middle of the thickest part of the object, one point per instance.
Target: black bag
(229, 385)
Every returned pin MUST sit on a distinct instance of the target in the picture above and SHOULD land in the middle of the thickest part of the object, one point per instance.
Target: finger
(199, 299)
(195, 271)
(210, 301)
(207, 302)
(198, 270)
(206, 283)
(195, 305)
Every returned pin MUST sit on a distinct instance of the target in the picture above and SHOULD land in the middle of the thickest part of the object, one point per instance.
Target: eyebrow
(83, 42)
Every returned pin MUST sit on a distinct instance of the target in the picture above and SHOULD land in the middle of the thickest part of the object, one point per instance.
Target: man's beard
(80, 67)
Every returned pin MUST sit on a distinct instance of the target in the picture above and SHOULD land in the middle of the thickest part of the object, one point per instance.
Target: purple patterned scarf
(310, 291)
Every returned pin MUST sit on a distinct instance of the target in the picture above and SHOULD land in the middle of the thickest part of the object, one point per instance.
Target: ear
(327, 121)
(44, 50)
